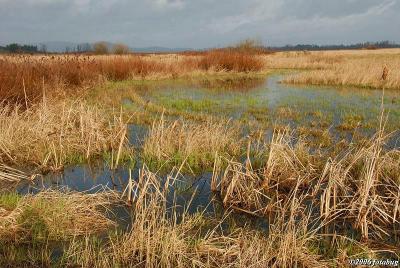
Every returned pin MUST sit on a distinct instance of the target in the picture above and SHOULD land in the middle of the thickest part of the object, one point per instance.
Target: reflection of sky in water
(334, 103)
(94, 178)
(271, 95)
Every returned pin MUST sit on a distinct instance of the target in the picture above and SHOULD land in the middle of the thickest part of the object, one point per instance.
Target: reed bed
(25, 77)
(369, 69)
(161, 238)
(51, 134)
(220, 60)
(195, 144)
(302, 60)
(309, 202)
(357, 187)
(289, 165)
(367, 73)
(54, 214)
(31, 225)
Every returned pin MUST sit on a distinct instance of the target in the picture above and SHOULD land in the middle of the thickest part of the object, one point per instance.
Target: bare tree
(100, 48)
(120, 49)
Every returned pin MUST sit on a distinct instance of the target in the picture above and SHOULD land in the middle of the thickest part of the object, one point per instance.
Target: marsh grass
(161, 236)
(55, 214)
(195, 144)
(23, 79)
(355, 186)
(12, 175)
(228, 60)
(358, 68)
(33, 226)
(54, 133)
(302, 195)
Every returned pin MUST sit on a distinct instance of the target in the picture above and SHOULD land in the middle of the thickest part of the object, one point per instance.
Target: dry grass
(222, 60)
(358, 186)
(195, 144)
(54, 215)
(159, 238)
(53, 133)
(164, 234)
(26, 77)
(371, 69)
(12, 175)
(362, 188)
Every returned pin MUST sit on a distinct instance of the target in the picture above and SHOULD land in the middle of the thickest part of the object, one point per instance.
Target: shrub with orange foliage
(230, 60)
(24, 77)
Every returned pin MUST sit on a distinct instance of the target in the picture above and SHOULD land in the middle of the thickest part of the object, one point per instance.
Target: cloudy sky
(199, 23)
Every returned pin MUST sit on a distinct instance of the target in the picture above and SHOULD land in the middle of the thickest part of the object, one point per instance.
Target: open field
(359, 68)
(213, 159)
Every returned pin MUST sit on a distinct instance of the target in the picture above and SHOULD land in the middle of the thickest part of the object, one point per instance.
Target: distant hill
(58, 46)
(159, 49)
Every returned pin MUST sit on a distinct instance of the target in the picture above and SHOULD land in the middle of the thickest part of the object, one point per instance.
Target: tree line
(96, 48)
(17, 48)
(366, 45)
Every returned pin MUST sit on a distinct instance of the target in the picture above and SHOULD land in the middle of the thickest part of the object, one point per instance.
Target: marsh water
(267, 100)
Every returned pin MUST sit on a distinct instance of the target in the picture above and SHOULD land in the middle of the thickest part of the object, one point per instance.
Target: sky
(199, 24)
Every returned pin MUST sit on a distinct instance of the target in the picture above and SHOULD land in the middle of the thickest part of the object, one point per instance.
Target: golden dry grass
(196, 144)
(358, 185)
(360, 68)
(53, 133)
(54, 215)
(159, 238)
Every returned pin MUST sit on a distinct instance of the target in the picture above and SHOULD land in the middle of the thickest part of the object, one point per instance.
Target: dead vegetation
(357, 187)
(159, 238)
(376, 69)
(195, 144)
(54, 214)
(24, 78)
(49, 135)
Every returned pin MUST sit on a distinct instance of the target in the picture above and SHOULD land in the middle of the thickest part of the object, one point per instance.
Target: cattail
(385, 72)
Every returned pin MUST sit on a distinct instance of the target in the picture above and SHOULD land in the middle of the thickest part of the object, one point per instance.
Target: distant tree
(79, 48)
(249, 44)
(16, 48)
(13, 48)
(120, 49)
(366, 45)
(100, 48)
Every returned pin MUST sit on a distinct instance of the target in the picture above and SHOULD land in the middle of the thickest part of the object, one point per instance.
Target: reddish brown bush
(25, 77)
(228, 60)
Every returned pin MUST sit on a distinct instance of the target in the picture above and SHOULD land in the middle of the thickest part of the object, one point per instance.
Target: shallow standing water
(265, 98)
